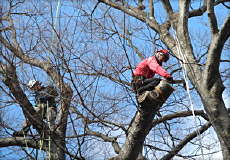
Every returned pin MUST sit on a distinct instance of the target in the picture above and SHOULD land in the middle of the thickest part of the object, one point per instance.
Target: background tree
(95, 47)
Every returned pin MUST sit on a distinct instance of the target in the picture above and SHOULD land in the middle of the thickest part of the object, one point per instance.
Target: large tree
(88, 53)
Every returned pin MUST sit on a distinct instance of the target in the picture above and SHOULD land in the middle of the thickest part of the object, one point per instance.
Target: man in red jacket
(143, 76)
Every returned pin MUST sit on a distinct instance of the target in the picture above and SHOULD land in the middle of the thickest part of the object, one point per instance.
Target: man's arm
(162, 72)
(153, 65)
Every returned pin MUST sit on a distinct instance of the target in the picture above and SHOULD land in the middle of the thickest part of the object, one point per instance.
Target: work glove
(170, 79)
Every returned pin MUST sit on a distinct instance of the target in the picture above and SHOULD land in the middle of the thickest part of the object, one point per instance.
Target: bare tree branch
(177, 115)
(186, 140)
(212, 17)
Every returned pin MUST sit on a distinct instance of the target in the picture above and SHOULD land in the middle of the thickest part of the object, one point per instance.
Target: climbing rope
(48, 121)
(42, 136)
(51, 47)
(55, 23)
(54, 27)
(27, 148)
(183, 58)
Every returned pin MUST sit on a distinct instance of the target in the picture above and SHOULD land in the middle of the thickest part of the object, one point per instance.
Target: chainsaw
(178, 82)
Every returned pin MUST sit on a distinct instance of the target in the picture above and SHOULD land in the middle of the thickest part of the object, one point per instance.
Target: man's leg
(149, 84)
(136, 85)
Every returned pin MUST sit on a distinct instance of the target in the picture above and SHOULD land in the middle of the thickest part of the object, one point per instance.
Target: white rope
(183, 58)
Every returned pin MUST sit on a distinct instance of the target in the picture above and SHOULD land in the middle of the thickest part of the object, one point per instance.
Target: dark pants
(141, 85)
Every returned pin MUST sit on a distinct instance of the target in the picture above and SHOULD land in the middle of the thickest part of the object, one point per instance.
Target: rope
(182, 56)
(55, 23)
(27, 148)
(161, 94)
(51, 47)
(48, 120)
(42, 136)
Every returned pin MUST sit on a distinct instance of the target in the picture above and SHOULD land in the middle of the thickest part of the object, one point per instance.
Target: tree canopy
(88, 50)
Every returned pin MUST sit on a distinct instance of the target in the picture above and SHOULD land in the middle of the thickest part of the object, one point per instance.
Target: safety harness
(138, 79)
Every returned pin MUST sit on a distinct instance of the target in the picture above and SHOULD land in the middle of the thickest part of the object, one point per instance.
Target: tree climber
(143, 76)
(44, 96)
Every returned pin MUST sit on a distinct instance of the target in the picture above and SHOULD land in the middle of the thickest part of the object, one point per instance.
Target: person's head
(162, 55)
(34, 85)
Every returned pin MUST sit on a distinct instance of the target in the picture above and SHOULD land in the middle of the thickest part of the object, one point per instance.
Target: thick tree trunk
(211, 92)
(218, 113)
(150, 103)
(221, 123)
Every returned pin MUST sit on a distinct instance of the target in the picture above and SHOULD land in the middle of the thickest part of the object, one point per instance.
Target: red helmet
(165, 53)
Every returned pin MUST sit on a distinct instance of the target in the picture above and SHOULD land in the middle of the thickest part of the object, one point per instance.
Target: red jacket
(148, 67)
